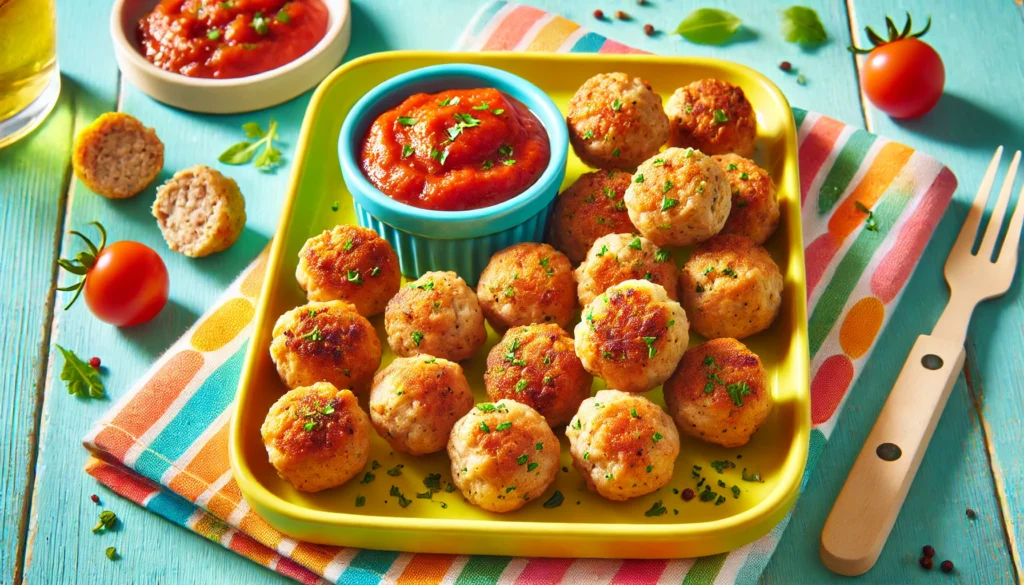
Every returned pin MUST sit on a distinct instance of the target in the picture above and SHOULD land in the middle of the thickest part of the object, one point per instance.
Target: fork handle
(867, 506)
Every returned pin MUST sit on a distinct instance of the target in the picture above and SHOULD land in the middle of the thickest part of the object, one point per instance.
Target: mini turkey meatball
(415, 402)
(317, 437)
(712, 116)
(537, 365)
(503, 455)
(621, 257)
(349, 263)
(755, 208)
(591, 207)
(527, 283)
(437, 314)
(199, 211)
(616, 121)
(731, 287)
(325, 342)
(719, 393)
(679, 198)
(623, 445)
(632, 336)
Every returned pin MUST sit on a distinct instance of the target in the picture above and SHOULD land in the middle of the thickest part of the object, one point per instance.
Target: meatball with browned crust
(349, 263)
(325, 342)
(436, 314)
(616, 121)
(719, 393)
(317, 437)
(623, 445)
(537, 365)
(755, 208)
(679, 198)
(527, 283)
(415, 402)
(712, 116)
(632, 336)
(199, 211)
(731, 287)
(621, 257)
(591, 207)
(503, 455)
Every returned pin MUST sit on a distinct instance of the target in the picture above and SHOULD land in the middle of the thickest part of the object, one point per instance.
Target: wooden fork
(870, 500)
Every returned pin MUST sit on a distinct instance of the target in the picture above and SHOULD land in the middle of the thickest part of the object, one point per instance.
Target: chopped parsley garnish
(532, 466)
(708, 270)
(615, 152)
(588, 134)
(486, 407)
(335, 205)
(707, 495)
(744, 176)
(375, 271)
(213, 34)
(657, 437)
(314, 335)
(650, 468)
(720, 465)
(578, 424)
(870, 223)
(260, 24)
(633, 413)
(688, 153)
(548, 380)
(487, 164)
(661, 256)
(505, 150)
(521, 385)
(354, 278)
(656, 510)
(107, 520)
(406, 121)
(427, 495)
(737, 391)
(483, 107)
(603, 250)
(521, 459)
(688, 108)
(417, 337)
(658, 162)
(668, 203)
(407, 151)
(483, 427)
(555, 500)
(403, 501)
(651, 350)
(755, 476)
(586, 456)
(462, 121)
(720, 500)
(720, 116)
(360, 501)
(396, 470)
(695, 471)
(509, 162)
(736, 491)
(498, 112)
(616, 105)
(432, 481)
(700, 288)
(282, 16)
(368, 477)
(636, 244)
(666, 187)
(730, 272)
(540, 446)
(503, 426)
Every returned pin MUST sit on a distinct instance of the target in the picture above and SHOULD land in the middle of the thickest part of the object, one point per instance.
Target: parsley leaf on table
(79, 377)
(243, 152)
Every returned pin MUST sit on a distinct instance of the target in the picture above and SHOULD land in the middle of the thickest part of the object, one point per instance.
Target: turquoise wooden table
(976, 459)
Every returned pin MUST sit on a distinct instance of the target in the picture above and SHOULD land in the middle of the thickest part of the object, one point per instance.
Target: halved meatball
(116, 156)
(199, 211)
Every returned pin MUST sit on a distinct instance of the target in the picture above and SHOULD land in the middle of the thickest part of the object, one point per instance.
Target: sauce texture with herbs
(456, 150)
(233, 38)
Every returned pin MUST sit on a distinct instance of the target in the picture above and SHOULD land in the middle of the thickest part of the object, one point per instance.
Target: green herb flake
(737, 391)
(658, 162)
(540, 446)
(396, 470)
(484, 428)
(666, 187)
(282, 16)
(486, 407)
(615, 152)
(522, 459)
(651, 350)
(732, 166)
(656, 510)
(407, 151)
(503, 426)
(616, 105)
(111, 553)
(707, 495)
(213, 34)
(407, 121)
(403, 501)
(735, 491)
(636, 244)
(336, 205)
(720, 116)
(588, 134)
(107, 520)
(633, 413)
(487, 164)
(368, 477)
(354, 278)
(360, 501)
(417, 337)
(754, 477)
(657, 437)
(730, 272)
(668, 203)
(260, 24)
(427, 495)
(870, 223)
(661, 256)
(650, 468)
(510, 489)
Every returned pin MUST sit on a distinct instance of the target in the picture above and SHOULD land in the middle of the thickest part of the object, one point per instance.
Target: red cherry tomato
(127, 285)
(904, 78)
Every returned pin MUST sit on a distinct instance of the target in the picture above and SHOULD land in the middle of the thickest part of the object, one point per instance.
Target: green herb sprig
(243, 152)
(79, 377)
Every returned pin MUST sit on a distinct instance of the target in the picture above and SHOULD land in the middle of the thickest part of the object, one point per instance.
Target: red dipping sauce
(456, 150)
(232, 38)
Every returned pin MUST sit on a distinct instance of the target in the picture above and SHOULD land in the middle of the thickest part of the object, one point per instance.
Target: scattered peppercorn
(946, 566)
(641, 2)
(95, 499)
(928, 551)
(688, 494)
(649, 29)
(621, 15)
(599, 14)
(926, 563)
(95, 363)
(971, 513)
(786, 66)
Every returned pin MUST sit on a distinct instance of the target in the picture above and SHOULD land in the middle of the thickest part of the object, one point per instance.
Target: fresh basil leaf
(253, 130)
(802, 25)
(708, 26)
(239, 154)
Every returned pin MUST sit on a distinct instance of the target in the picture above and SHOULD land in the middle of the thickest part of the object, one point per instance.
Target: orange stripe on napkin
(315, 556)
(554, 33)
(246, 546)
(512, 28)
(426, 569)
(887, 164)
(209, 464)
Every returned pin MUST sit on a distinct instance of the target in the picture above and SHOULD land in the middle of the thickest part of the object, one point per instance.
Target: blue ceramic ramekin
(461, 241)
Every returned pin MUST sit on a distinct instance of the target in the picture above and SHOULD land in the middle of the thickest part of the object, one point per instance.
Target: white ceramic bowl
(227, 96)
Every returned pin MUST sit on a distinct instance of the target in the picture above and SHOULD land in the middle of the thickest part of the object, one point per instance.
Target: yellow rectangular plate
(585, 525)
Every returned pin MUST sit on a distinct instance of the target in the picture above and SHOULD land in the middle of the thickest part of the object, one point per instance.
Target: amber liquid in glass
(28, 56)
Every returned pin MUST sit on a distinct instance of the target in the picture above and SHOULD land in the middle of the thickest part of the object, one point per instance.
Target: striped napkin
(164, 446)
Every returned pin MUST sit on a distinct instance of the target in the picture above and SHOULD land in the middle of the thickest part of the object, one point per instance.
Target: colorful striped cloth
(164, 445)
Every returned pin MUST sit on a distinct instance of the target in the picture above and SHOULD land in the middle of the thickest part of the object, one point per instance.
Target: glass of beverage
(29, 78)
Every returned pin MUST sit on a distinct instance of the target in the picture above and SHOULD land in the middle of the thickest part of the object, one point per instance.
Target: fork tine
(1007, 258)
(965, 241)
(995, 222)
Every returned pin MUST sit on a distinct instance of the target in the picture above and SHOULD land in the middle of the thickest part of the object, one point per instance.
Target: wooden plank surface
(955, 474)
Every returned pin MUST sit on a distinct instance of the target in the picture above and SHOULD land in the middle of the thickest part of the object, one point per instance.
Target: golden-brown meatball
(632, 336)
(537, 365)
(437, 314)
(503, 455)
(731, 287)
(116, 156)
(712, 116)
(679, 198)
(349, 263)
(719, 393)
(527, 283)
(616, 121)
(199, 211)
(755, 208)
(415, 402)
(621, 257)
(325, 342)
(317, 437)
(623, 445)
(591, 207)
